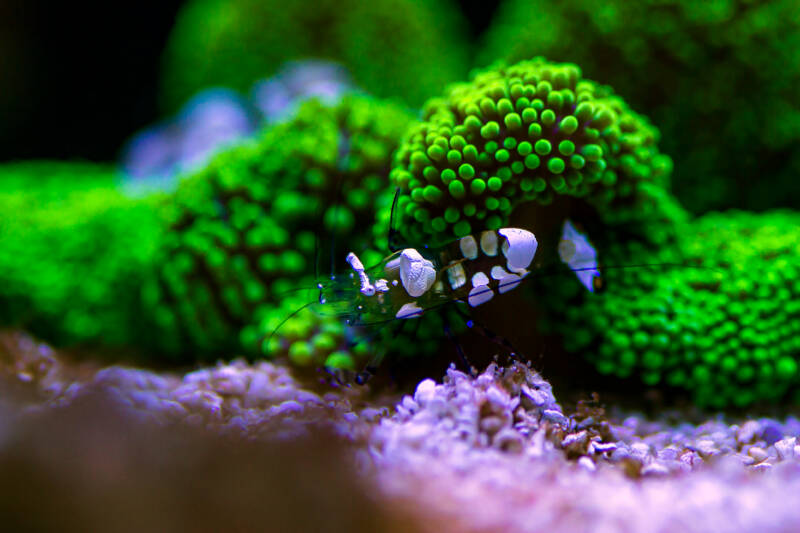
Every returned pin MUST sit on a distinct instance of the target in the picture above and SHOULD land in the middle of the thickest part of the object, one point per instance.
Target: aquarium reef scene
(401, 266)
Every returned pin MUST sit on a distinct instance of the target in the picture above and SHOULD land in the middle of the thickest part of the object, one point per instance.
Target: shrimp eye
(597, 284)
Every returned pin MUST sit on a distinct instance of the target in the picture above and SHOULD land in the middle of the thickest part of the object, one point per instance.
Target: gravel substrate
(490, 453)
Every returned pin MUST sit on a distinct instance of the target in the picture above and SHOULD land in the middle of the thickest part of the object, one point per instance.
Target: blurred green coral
(531, 131)
(719, 78)
(393, 48)
(73, 253)
(243, 231)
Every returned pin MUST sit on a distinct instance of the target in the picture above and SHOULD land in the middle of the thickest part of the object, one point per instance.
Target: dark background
(78, 78)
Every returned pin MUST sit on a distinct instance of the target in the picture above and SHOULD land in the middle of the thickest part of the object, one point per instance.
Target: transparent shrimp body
(409, 282)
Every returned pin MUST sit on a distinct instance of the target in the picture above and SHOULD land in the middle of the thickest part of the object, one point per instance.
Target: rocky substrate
(494, 452)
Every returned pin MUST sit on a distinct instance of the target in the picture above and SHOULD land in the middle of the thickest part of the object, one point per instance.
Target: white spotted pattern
(416, 273)
(479, 295)
(479, 278)
(456, 276)
(519, 247)
(489, 243)
(577, 252)
(498, 272)
(509, 282)
(409, 310)
(469, 248)
(480, 292)
(367, 289)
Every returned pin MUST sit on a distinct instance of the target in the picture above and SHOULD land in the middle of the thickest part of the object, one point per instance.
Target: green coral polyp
(243, 230)
(75, 252)
(714, 76)
(520, 133)
(728, 329)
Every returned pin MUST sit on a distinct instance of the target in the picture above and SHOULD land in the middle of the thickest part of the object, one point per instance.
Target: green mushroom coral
(718, 318)
(243, 232)
(719, 78)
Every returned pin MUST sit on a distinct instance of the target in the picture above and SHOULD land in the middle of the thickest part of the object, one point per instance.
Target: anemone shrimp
(470, 270)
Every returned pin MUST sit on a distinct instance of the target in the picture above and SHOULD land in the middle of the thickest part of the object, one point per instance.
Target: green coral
(243, 231)
(717, 319)
(526, 132)
(728, 331)
(222, 260)
(73, 253)
(393, 48)
(718, 78)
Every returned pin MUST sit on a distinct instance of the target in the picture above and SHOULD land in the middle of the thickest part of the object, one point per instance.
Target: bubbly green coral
(74, 253)
(719, 78)
(717, 318)
(393, 48)
(729, 332)
(526, 132)
(244, 231)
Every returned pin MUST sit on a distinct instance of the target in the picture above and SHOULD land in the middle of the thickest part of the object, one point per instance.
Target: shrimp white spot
(367, 288)
(498, 272)
(577, 252)
(479, 279)
(519, 247)
(510, 282)
(355, 262)
(416, 273)
(489, 243)
(469, 248)
(382, 285)
(479, 295)
(456, 276)
(480, 292)
(409, 310)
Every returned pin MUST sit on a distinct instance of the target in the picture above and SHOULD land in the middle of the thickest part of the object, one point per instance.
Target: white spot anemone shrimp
(466, 272)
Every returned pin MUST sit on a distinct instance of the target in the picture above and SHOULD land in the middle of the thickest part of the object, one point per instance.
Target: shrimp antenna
(392, 232)
(621, 267)
(316, 255)
(285, 320)
(337, 194)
